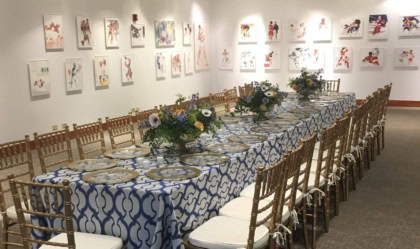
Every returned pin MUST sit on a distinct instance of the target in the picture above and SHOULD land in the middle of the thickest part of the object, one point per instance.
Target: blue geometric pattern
(147, 213)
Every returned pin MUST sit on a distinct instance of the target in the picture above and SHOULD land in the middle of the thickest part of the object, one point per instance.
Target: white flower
(269, 94)
(206, 112)
(154, 120)
(264, 88)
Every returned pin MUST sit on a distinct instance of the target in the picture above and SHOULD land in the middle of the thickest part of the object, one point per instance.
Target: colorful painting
(189, 62)
(127, 62)
(273, 31)
(112, 32)
(187, 33)
(101, 64)
(201, 46)
(248, 59)
(165, 33)
(409, 26)
(378, 27)
(407, 57)
(74, 74)
(137, 32)
(310, 58)
(161, 64)
(53, 31)
(322, 28)
(272, 58)
(176, 63)
(84, 32)
(343, 58)
(351, 28)
(372, 57)
(39, 77)
(297, 29)
(226, 59)
(248, 33)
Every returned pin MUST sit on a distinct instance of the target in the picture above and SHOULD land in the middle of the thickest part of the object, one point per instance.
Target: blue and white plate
(173, 173)
(203, 159)
(92, 164)
(127, 153)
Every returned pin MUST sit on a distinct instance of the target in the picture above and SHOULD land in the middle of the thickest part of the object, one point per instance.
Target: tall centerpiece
(182, 126)
(261, 100)
(307, 83)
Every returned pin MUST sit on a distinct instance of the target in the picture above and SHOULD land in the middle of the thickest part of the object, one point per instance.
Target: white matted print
(189, 61)
(310, 58)
(351, 28)
(407, 57)
(247, 33)
(272, 58)
(161, 64)
(187, 33)
(53, 32)
(297, 29)
(409, 26)
(74, 74)
(127, 62)
(247, 59)
(101, 67)
(372, 57)
(343, 58)
(165, 33)
(378, 27)
(176, 63)
(226, 59)
(39, 77)
(112, 32)
(138, 34)
(84, 32)
(322, 27)
(201, 46)
(273, 30)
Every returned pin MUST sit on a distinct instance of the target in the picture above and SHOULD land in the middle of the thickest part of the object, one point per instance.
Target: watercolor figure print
(165, 33)
(323, 28)
(176, 63)
(273, 31)
(225, 59)
(409, 26)
(343, 58)
(127, 62)
(271, 58)
(160, 61)
(84, 32)
(378, 27)
(248, 59)
(137, 32)
(53, 32)
(74, 74)
(407, 57)
(187, 33)
(101, 65)
(247, 33)
(372, 57)
(189, 62)
(201, 46)
(297, 29)
(309, 58)
(351, 28)
(112, 32)
(39, 77)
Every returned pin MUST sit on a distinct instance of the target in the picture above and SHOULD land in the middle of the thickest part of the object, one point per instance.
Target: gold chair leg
(314, 220)
(327, 208)
(353, 173)
(290, 236)
(378, 142)
(383, 136)
(372, 148)
(337, 197)
(5, 234)
(368, 155)
(305, 226)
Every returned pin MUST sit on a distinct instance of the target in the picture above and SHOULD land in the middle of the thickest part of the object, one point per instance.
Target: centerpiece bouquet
(307, 83)
(182, 126)
(261, 100)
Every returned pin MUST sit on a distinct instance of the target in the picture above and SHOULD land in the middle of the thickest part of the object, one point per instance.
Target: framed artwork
(322, 27)
(372, 57)
(378, 27)
(161, 64)
(189, 61)
(343, 58)
(101, 67)
(248, 33)
(187, 33)
(351, 28)
(201, 46)
(310, 58)
(226, 59)
(137, 32)
(127, 62)
(273, 31)
(297, 29)
(84, 32)
(39, 77)
(74, 74)
(247, 59)
(165, 33)
(176, 63)
(407, 57)
(272, 58)
(53, 32)
(112, 32)
(409, 26)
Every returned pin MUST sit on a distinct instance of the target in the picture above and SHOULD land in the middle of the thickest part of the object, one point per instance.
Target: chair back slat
(305, 169)
(90, 136)
(332, 86)
(121, 131)
(295, 159)
(326, 153)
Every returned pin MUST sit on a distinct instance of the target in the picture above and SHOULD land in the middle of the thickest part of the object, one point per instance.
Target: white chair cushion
(249, 193)
(88, 241)
(11, 213)
(311, 181)
(223, 232)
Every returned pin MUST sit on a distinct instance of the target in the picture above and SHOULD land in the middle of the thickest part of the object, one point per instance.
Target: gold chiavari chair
(90, 136)
(380, 111)
(141, 117)
(55, 205)
(388, 89)
(371, 125)
(53, 148)
(14, 157)
(365, 136)
(205, 100)
(332, 86)
(218, 101)
(121, 131)
(242, 91)
(231, 96)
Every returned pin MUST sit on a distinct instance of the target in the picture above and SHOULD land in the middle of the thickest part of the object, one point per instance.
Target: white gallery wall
(229, 14)
(22, 40)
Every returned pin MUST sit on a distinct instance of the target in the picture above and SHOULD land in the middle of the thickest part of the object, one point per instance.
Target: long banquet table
(147, 213)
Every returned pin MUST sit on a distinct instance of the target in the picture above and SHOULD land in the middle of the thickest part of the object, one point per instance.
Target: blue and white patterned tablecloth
(147, 213)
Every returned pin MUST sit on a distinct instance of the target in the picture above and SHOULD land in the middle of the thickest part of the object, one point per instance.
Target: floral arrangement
(181, 126)
(261, 100)
(307, 83)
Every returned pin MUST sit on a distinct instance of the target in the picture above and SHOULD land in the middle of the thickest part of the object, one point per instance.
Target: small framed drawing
(247, 59)
(165, 33)
(372, 57)
(272, 58)
(53, 32)
(176, 63)
(101, 67)
(127, 74)
(407, 57)
(351, 28)
(189, 61)
(248, 33)
(161, 64)
(409, 26)
(187, 33)
(322, 26)
(84, 32)
(273, 31)
(378, 27)
(74, 74)
(343, 59)
(137, 32)
(112, 32)
(226, 59)
(39, 77)
(297, 29)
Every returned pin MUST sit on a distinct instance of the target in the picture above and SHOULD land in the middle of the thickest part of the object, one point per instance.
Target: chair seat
(88, 241)
(11, 213)
(311, 181)
(318, 144)
(249, 193)
(222, 232)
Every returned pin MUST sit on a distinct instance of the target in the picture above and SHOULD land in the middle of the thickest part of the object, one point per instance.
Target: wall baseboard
(398, 103)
